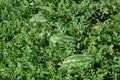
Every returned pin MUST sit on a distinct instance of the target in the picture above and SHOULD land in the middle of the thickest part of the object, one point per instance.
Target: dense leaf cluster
(59, 39)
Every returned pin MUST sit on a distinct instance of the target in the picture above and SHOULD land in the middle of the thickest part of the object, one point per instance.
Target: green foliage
(59, 40)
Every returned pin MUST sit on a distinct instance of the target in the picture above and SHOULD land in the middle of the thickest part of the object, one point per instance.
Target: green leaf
(116, 17)
(46, 8)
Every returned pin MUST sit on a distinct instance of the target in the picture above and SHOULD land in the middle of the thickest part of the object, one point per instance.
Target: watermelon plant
(59, 40)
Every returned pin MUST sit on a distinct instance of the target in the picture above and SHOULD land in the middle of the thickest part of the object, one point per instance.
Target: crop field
(59, 39)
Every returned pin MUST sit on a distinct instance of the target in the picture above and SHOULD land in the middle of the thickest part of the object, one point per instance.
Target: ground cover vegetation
(59, 39)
